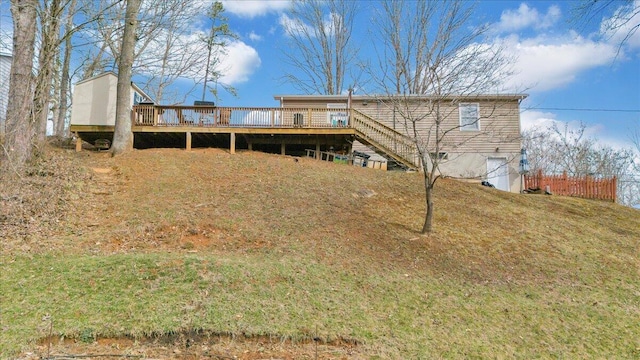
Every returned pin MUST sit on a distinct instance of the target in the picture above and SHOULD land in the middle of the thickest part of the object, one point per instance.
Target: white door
(498, 173)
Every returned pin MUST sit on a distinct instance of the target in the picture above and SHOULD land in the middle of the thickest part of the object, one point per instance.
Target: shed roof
(111, 73)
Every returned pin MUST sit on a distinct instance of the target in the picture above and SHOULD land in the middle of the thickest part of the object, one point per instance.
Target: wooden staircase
(385, 140)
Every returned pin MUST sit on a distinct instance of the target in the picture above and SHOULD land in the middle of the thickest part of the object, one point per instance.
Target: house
(94, 100)
(5, 72)
(483, 138)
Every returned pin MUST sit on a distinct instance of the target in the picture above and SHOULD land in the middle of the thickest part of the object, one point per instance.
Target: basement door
(498, 173)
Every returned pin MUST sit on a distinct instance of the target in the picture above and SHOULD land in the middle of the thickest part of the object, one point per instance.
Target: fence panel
(586, 187)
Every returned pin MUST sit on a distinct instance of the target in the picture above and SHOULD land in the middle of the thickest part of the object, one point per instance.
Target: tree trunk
(50, 21)
(18, 149)
(122, 136)
(428, 219)
(61, 129)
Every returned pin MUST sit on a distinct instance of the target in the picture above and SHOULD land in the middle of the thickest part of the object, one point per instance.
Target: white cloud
(536, 120)
(541, 121)
(254, 37)
(294, 26)
(548, 59)
(525, 17)
(240, 62)
(622, 27)
(545, 63)
(254, 8)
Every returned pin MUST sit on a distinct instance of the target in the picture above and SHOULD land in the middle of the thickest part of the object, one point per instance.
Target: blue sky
(563, 64)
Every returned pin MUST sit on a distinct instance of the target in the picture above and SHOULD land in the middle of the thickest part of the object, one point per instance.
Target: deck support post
(250, 145)
(232, 143)
(283, 148)
(318, 149)
(78, 143)
(188, 140)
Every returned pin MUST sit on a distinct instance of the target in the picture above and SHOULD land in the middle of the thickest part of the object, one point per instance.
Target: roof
(111, 73)
(505, 96)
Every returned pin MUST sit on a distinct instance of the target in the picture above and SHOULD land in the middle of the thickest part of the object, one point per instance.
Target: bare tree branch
(320, 45)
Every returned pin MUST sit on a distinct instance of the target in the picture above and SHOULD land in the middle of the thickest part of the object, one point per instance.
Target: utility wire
(583, 109)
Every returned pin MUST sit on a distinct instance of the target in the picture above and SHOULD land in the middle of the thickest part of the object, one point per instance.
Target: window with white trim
(469, 117)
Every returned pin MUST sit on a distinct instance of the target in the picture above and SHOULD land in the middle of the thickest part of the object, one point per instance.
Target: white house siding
(5, 71)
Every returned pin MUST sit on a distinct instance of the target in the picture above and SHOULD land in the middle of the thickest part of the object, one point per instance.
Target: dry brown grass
(172, 200)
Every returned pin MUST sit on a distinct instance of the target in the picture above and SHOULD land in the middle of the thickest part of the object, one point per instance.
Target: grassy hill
(279, 257)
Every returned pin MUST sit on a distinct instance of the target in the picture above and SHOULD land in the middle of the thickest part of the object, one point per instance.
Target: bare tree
(560, 149)
(174, 52)
(431, 62)
(65, 78)
(122, 136)
(19, 120)
(168, 47)
(55, 58)
(320, 45)
(619, 19)
(50, 15)
(635, 139)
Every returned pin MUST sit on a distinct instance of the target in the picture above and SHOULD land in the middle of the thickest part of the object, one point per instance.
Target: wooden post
(309, 118)
(250, 144)
(78, 143)
(188, 141)
(232, 144)
(539, 180)
(273, 117)
(318, 149)
(283, 148)
(156, 113)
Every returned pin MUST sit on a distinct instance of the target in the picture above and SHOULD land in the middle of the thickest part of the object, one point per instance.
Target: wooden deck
(160, 126)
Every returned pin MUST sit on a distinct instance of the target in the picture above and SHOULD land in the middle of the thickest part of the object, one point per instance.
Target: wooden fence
(586, 187)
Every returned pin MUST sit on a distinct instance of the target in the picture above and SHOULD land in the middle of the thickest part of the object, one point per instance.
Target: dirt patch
(192, 346)
(101, 170)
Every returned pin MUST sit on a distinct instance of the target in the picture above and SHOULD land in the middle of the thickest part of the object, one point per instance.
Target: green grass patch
(393, 315)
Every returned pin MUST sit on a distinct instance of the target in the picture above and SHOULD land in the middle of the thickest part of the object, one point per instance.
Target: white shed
(94, 100)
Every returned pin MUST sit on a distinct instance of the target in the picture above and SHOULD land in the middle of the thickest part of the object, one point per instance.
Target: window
(439, 156)
(137, 98)
(469, 117)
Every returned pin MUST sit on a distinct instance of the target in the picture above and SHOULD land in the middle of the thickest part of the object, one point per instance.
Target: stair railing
(393, 143)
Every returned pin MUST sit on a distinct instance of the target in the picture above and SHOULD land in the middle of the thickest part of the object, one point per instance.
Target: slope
(164, 241)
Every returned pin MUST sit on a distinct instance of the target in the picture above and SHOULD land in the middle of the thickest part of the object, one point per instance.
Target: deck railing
(392, 142)
(386, 139)
(208, 116)
(585, 187)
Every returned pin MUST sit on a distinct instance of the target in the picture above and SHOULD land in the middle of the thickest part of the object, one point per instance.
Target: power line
(583, 109)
